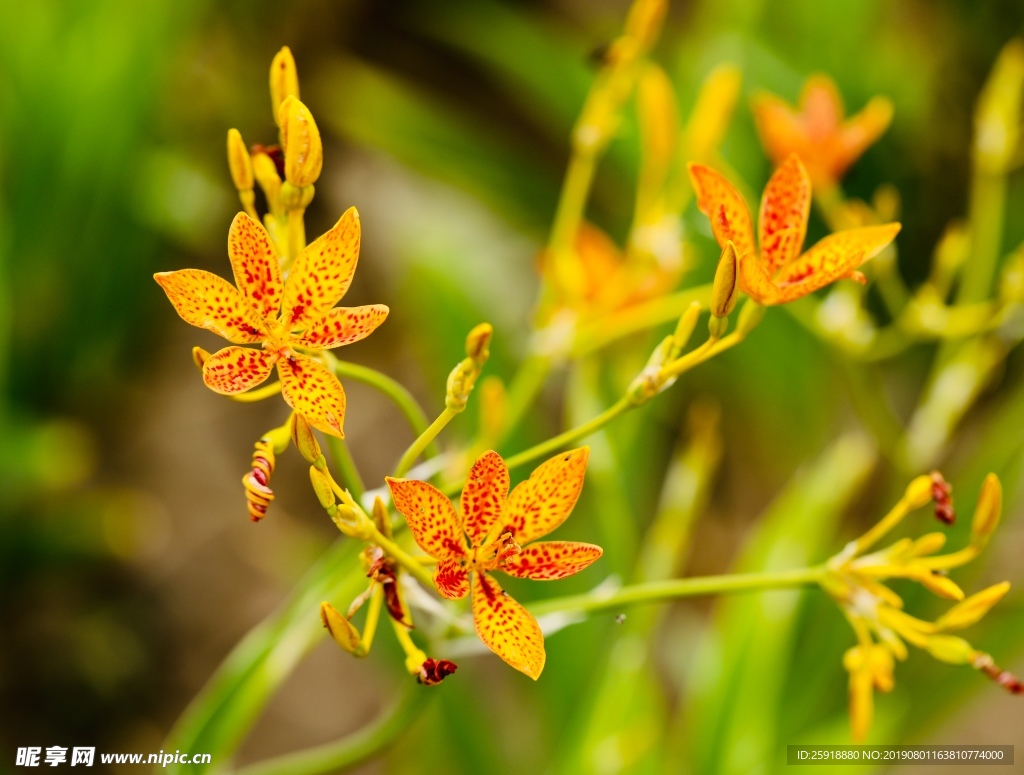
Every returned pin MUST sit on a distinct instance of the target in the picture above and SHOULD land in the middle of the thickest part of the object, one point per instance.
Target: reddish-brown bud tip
(942, 494)
(433, 671)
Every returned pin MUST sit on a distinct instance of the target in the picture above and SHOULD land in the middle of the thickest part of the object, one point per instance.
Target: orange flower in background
(816, 131)
(779, 272)
(494, 530)
(287, 318)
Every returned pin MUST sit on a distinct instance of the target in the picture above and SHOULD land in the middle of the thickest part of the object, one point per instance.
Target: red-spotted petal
(237, 369)
(343, 325)
(484, 495)
(256, 266)
(833, 257)
(506, 628)
(544, 501)
(322, 272)
(451, 578)
(718, 199)
(314, 392)
(549, 560)
(431, 518)
(785, 206)
(211, 302)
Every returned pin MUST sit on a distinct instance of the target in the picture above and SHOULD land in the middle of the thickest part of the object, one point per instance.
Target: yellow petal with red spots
(506, 628)
(343, 325)
(837, 255)
(256, 266)
(724, 207)
(322, 272)
(484, 495)
(542, 503)
(549, 560)
(314, 392)
(237, 369)
(211, 302)
(431, 518)
(755, 282)
(451, 579)
(785, 206)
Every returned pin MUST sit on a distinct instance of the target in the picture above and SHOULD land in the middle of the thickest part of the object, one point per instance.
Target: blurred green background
(128, 569)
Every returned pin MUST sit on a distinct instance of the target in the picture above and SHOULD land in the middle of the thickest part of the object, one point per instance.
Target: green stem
(657, 591)
(351, 749)
(347, 467)
(621, 406)
(987, 215)
(258, 394)
(391, 388)
(523, 389)
(423, 441)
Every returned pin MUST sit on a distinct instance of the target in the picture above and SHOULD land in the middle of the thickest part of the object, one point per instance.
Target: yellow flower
(778, 272)
(495, 530)
(816, 130)
(288, 318)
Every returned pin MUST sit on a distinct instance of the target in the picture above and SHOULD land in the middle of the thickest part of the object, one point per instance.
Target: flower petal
(451, 579)
(549, 560)
(506, 628)
(256, 265)
(484, 496)
(862, 130)
(542, 503)
(322, 272)
(237, 369)
(836, 256)
(343, 325)
(431, 518)
(314, 392)
(724, 207)
(822, 107)
(782, 222)
(205, 300)
(782, 131)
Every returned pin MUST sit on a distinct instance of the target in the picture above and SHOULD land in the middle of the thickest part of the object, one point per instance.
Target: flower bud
(380, 517)
(988, 510)
(644, 21)
(305, 441)
(725, 291)
(340, 628)
(256, 482)
(322, 487)
(265, 171)
(918, 492)
(239, 162)
(997, 116)
(949, 648)
(199, 356)
(477, 343)
(303, 149)
(943, 586)
(685, 327)
(971, 610)
(284, 80)
(433, 671)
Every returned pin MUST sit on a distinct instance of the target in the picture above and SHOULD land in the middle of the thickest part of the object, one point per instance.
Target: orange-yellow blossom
(774, 271)
(284, 316)
(816, 130)
(495, 530)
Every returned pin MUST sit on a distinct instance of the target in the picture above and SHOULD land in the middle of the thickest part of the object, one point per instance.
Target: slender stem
(372, 618)
(351, 749)
(296, 234)
(347, 467)
(258, 394)
(407, 561)
(621, 406)
(391, 388)
(657, 591)
(987, 216)
(423, 441)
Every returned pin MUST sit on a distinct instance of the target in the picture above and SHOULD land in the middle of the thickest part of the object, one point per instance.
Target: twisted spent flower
(774, 271)
(495, 530)
(287, 317)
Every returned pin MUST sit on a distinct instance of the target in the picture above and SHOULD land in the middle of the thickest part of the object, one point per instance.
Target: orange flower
(779, 272)
(816, 131)
(494, 530)
(285, 317)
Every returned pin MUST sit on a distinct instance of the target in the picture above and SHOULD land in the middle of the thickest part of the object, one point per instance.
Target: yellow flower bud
(303, 149)
(918, 492)
(940, 585)
(239, 162)
(712, 112)
(949, 648)
(477, 343)
(685, 327)
(305, 441)
(380, 517)
(284, 80)
(928, 544)
(644, 21)
(725, 291)
(265, 171)
(971, 610)
(322, 487)
(997, 117)
(199, 356)
(988, 510)
(340, 628)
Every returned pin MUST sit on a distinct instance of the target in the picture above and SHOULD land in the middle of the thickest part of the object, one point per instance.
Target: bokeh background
(128, 568)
